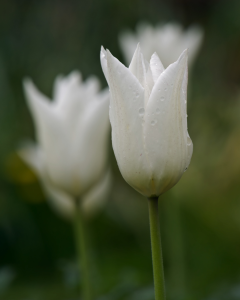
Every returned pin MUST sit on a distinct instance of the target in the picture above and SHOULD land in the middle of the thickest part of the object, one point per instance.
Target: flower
(70, 156)
(167, 40)
(149, 121)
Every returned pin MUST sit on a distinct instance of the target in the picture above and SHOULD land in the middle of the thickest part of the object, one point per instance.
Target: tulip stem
(157, 261)
(82, 253)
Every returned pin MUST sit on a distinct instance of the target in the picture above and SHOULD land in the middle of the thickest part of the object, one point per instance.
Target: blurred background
(200, 217)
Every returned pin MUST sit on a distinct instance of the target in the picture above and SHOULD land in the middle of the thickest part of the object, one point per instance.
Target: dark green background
(200, 217)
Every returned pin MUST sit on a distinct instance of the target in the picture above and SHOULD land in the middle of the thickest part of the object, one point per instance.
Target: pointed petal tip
(184, 55)
(28, 85)
(183, 58)
(102, 50)
(108, 54)
(138, 48)
(154, 55)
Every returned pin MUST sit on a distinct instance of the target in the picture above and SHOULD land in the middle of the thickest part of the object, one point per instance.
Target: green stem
(82, 253)
(158, 273)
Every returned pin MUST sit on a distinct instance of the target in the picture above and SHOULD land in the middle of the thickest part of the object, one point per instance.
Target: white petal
(166, 127)
(156, 67)
(90, 144)
(92, 86)
(60, 201)
(43, 114)
(69, 96)
(149, 85)
(33, 156)
(103, 60)
(52, 135)
(96, 197)
(137, 66)
(127, 110)
(63, 86)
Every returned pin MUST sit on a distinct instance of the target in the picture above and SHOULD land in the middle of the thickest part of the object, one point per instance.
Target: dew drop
(157, 111)
(162, 98)
(141, 111)
(185, 169)
(153, 122)
(165, 89)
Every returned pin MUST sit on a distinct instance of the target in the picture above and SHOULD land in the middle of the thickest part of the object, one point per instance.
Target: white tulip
(149, 121)
(70, 156)
(167, 40)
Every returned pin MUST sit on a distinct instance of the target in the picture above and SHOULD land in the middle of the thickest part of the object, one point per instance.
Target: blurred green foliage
(200, 216)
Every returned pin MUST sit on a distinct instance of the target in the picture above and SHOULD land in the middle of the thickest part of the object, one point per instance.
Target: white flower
(149, 120)
(167, 40)
(70, 156)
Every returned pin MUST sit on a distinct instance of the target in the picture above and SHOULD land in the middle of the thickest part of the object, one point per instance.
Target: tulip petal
(156, 67)
(43, 113)
(126, 114)
(103, 60)
(97, 196)
(33, 156)
(64, 86)
(166, 127)
(52, 135)
(61, 202)
(92, 129)
(137, 66)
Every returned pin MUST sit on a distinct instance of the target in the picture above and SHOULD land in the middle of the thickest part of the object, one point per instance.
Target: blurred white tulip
(167, 40)
(149, 120)
(72, 131)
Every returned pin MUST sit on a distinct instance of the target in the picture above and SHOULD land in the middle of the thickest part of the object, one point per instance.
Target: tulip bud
(149, 120)
(70, 156)
(168, 40)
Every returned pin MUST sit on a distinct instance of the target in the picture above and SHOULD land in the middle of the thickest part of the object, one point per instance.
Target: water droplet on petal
(165, 89)
(185, 169)
(141, 111)
(157, 111)
(153, 122)
(162, 98)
